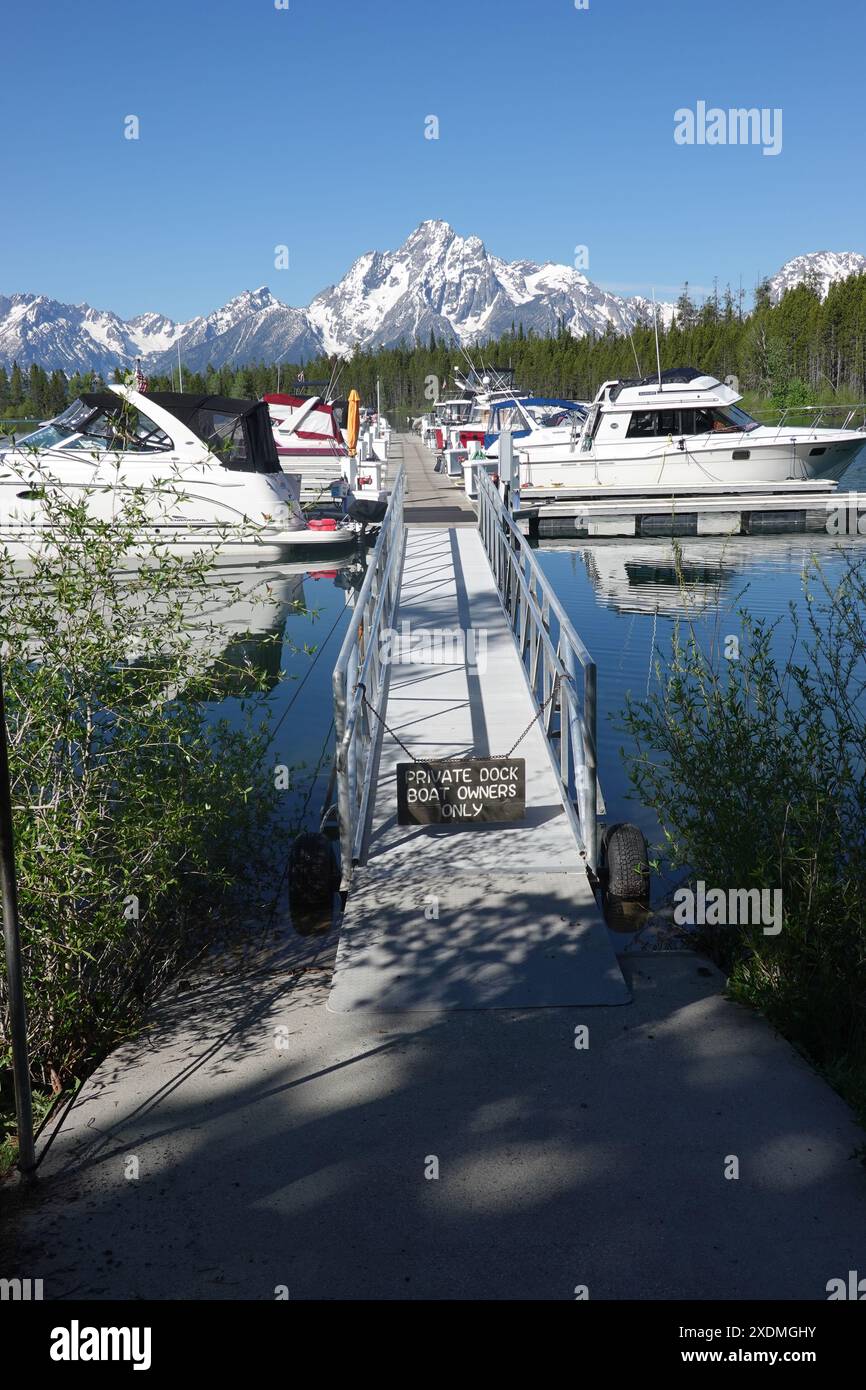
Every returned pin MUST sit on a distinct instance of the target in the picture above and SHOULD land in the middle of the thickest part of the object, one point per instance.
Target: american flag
(140, 378)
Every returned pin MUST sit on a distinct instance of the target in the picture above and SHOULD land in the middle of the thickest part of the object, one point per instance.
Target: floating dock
(487, 916)
(789, 507)
(756, 509)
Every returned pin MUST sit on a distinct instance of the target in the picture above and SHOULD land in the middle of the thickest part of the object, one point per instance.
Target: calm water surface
(621, 595)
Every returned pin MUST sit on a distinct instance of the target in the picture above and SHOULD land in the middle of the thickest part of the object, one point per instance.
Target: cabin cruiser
(682, 428)
(485, 390)
(206, 466)
(457, 422)
(311, 440)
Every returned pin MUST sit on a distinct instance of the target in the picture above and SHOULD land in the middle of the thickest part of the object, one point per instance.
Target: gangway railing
(359, 679)
(559, 670)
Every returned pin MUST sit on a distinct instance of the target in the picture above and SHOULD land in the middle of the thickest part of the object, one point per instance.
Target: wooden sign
(461, 791)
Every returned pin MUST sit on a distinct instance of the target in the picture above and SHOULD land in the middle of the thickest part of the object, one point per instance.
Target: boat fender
(313, 880)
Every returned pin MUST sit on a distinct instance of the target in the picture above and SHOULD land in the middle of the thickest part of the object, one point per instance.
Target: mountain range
(436, 281)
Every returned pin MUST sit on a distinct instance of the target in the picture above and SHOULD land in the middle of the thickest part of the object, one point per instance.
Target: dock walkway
(487, 915)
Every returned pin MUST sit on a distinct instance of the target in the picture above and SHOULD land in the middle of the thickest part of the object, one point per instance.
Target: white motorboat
(485, 390)
(308, 439)
(462, 420)
(541, 426)
(205, 466)
(680, 428)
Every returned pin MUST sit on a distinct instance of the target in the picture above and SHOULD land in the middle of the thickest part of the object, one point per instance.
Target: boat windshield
(739, 419)
(114, 427)
(46, 437)
(124, 429)
(59, 430)
(508, 417)
(551, 417)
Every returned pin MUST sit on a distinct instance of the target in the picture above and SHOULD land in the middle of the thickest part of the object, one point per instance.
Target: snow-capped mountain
(74, 337)
(253, 327)
(821, 267)
(435, 281)
(455, 287)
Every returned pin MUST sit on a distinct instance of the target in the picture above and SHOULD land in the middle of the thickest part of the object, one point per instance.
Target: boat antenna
(340, 371)
(179, 369)
(634, 350)
(656, 330)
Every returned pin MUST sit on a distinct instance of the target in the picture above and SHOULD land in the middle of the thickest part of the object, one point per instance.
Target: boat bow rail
(359, 680)
(832, 416)
(559, 670)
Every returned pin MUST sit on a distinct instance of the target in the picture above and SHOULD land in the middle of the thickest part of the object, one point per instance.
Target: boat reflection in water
(235, 618)
(240, 632)
(689, 577)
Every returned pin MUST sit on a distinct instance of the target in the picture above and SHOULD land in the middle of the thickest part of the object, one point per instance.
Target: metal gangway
(472, 915)
(559, 671)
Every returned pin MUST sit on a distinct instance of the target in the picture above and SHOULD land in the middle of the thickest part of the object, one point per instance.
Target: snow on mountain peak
(436, 281)
(822, 268)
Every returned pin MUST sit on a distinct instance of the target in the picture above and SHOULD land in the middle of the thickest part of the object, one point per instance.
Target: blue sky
(305, 127)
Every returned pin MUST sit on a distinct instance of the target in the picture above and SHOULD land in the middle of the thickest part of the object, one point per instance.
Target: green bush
(144, 824)
(755, 767)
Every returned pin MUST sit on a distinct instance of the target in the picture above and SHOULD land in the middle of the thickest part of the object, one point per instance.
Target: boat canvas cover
(319, 424)
(238, 432)
(319, 427)
(671, 376)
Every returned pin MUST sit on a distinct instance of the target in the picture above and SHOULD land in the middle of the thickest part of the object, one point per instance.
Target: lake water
(621, 595)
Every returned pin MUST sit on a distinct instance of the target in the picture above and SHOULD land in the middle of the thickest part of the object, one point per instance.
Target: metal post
(509, 471)
(17, 1007)
(590, 699)
(343, 802)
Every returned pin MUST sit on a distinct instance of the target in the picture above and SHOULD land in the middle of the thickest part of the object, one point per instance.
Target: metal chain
(493, 756)
(535, 717)
(362, 687)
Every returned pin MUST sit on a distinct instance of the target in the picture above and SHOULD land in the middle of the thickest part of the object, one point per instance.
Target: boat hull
(194, 507)
(745, 459)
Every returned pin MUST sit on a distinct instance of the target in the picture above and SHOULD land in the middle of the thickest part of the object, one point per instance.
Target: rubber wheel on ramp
(625, 875)
(313, 881)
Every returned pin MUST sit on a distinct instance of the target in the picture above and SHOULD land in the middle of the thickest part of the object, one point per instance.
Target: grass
(43, 1102)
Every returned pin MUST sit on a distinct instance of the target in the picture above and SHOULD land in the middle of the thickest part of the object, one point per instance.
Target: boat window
(642, 424)
(650, 424)
(125, 430)
(223, 434)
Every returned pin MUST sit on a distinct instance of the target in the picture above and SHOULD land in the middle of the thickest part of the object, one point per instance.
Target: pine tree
(16, 387)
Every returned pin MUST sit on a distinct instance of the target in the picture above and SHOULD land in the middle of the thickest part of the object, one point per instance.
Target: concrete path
(253, 1139)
